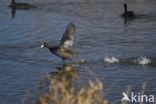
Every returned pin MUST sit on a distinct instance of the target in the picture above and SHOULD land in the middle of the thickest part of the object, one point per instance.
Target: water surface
(119, 54)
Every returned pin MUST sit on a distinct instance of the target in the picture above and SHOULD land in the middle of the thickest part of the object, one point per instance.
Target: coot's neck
(13, 2)
(125, 7)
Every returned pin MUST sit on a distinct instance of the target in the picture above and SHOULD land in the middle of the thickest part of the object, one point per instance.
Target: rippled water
(119, 54)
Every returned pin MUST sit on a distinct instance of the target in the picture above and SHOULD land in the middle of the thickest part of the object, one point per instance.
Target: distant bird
(64, 49)
(128, 14)
(125, 97)
(15, 5)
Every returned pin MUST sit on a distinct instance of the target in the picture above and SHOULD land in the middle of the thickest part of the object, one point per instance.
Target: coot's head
(45, 45)
(125, 5)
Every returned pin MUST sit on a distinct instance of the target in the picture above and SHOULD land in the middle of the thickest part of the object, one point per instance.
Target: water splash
(111, 59)
(144, 60)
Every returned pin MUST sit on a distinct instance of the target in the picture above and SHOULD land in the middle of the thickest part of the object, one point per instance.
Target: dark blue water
(119, 54)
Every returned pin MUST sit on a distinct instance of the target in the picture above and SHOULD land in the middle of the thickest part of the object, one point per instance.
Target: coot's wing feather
(67, 39)
(71, 52)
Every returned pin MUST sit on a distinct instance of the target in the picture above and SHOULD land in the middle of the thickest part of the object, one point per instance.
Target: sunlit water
(119, 54)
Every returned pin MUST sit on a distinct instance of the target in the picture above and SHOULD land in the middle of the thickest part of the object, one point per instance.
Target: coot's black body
(64, 53)
(64, 49)
(128, 14)
(15, 5)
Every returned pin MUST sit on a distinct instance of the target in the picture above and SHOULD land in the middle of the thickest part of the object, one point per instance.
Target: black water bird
(15, 5)
(128, 14)
(64, 49)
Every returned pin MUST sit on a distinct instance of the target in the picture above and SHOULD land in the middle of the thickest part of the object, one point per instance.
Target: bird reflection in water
(13, 12)
(63, 89)
(60, 85)
(65, 75)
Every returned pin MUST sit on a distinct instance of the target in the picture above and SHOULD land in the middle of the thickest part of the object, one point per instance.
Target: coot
(64, 49)
(128, 14)
(15, 5)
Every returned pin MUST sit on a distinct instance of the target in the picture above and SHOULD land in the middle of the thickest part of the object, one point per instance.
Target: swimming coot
(128, 14)
(64, 49)
(15, 5)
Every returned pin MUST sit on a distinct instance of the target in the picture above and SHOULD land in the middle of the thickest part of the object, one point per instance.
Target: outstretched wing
(67, 39)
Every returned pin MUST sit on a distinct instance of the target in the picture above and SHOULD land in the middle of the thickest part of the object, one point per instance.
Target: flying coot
(64, 49)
